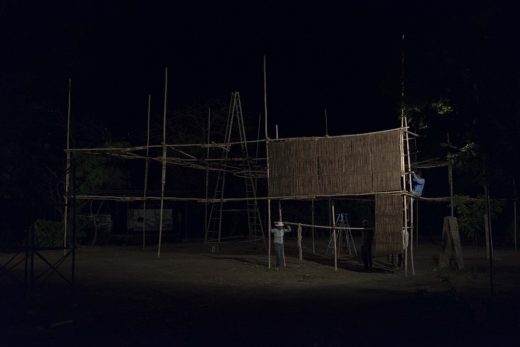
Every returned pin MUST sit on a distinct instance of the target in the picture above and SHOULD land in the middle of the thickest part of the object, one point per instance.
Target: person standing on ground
(279, 232)
(366, 247)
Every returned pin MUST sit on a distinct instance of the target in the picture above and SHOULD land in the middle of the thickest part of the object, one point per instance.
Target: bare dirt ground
(190, 297)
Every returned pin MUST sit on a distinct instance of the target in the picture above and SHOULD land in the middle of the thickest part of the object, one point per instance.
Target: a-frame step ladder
(342, 221)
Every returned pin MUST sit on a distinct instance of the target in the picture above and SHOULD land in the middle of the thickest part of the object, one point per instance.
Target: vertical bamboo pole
(280, 218)
(206, 221)
(267, 168)
(329, 210)
(258, 137)
(486, 233)
(146, 164)
(405, 205)
(268, 233)
(490, 240)
(515, 199)
(163, 173)
(334, 236)
(326, 123)
(417, 223)
(67, 170)
(312, 229)
(411, 198)
(300, 250)
(515, 223)
(450, 180)
(74, 214)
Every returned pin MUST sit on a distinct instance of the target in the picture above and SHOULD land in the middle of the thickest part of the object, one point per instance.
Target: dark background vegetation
(461, 77)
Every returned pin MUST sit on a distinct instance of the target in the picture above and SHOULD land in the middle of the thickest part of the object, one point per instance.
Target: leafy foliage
(470, 215)
(48, 233)
(95, 172)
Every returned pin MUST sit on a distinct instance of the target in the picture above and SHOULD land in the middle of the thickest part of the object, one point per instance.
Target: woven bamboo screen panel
(388, 224)
(343, 165)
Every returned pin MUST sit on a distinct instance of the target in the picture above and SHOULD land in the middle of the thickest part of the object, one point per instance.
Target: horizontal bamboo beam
(326, 226)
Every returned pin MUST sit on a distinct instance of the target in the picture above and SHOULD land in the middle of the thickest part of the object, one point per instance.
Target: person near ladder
(417, 190)
(366, 247)
(417, 183)
(278, 232)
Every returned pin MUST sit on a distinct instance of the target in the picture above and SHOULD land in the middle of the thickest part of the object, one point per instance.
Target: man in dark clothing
(366, 247)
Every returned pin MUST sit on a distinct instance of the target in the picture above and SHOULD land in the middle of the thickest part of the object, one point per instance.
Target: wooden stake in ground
(300, 251)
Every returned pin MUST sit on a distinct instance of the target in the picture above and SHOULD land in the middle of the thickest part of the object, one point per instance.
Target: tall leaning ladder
(213, 233)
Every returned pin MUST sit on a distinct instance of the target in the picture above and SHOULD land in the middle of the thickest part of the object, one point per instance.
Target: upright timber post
(163, 173)
(206, 221)
(334, 236)
(490, 239)
(146, 164)
(312, 229)
(405, 202)
(515, 225)
(267, 170)
(515, 221)
(409, 169)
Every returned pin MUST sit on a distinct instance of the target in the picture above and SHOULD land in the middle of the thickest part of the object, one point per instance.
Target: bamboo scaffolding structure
(67, 169)
(146, 164)
(222, 145)
(203, 199)
(327, 227)
(234, 104)
(163, 171)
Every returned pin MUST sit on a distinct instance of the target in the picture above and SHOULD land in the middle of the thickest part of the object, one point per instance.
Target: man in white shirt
(278, 232)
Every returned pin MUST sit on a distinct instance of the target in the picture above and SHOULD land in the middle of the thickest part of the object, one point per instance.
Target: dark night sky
(345, 57)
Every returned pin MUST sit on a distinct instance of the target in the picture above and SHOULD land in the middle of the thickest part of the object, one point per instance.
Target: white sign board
(136, 217)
